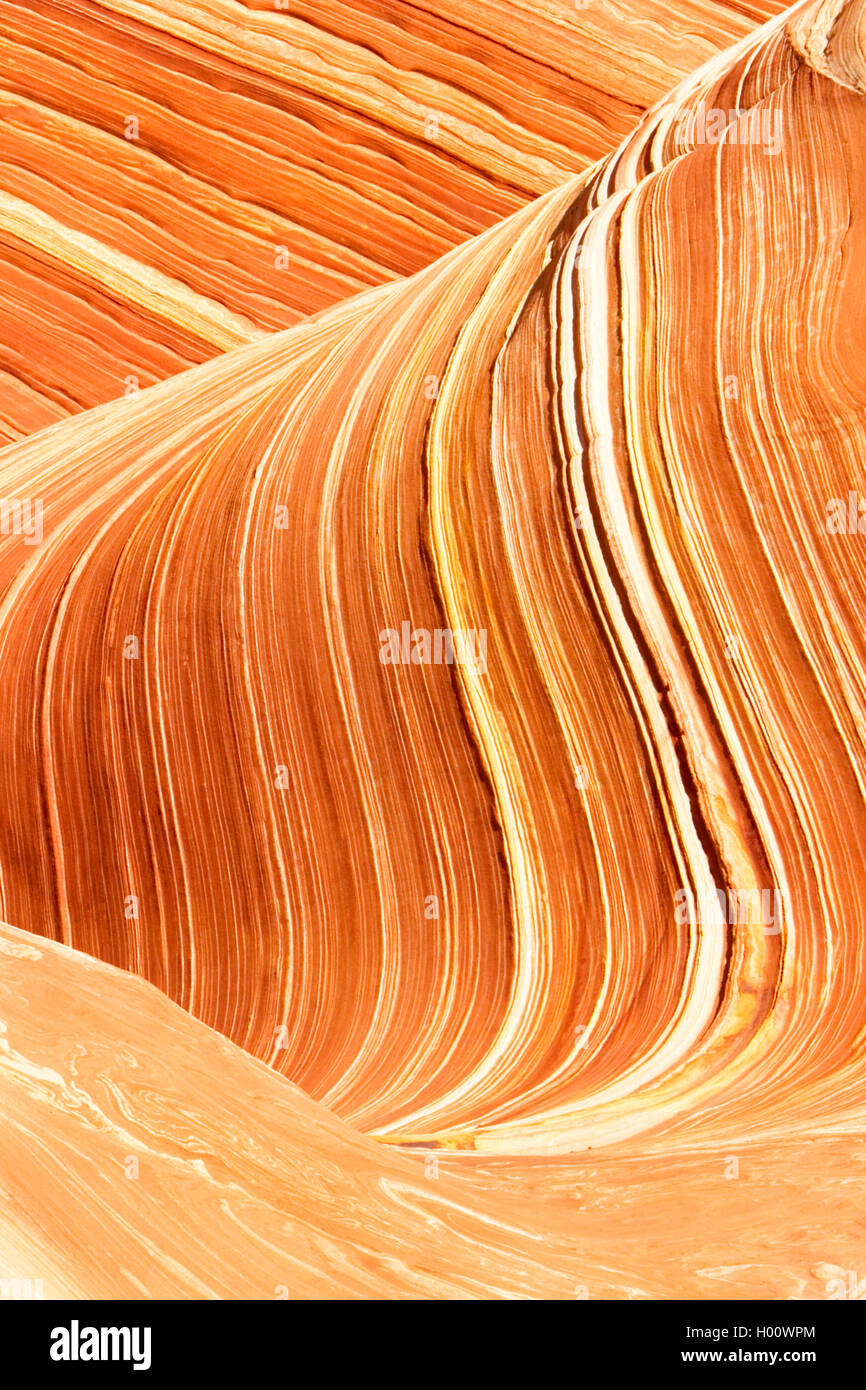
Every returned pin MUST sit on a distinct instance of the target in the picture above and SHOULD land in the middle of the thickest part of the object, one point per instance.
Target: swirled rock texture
(190, 1170)
(456, 700)
(183, 176)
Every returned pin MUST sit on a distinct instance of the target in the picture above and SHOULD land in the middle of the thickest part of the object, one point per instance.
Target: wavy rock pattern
(248, 1189)
(474, 905)
(189, 1170)
(185, 176)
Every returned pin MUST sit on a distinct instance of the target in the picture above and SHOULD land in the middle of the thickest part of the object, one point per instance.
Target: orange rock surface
(573, 919)
(144, 1156)
(177, 177)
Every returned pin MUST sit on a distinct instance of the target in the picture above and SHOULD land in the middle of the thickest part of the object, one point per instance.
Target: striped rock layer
(178, 177)
(592, 884)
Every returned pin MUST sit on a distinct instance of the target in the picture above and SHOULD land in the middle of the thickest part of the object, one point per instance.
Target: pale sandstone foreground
(144, 1156)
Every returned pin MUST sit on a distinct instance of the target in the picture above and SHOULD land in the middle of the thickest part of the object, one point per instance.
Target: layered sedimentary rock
(456, 699)
(191, 1171)
(143, 1156)
(176, 178)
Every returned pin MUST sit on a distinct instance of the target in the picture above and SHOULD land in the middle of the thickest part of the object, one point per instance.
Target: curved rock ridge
(832, 38)
(190, 1170)
(456, 700)
(183, 177)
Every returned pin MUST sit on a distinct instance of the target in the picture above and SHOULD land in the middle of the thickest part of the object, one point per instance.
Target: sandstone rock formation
(456, 701)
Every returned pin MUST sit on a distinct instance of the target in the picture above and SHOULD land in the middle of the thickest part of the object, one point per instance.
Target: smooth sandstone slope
(144, 1156)
(177, 178)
